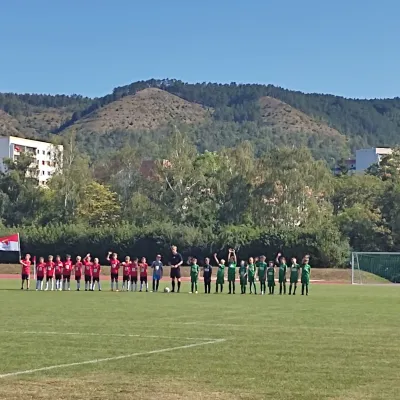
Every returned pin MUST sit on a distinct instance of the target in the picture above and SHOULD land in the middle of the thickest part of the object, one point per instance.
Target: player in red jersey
(67, 269)
(143, 273)
(40, 271)
(96, 269)
(134, 273)
(25, 271)
(88, 272)
(58, 267)
(115, 264)
(78, 267)
(50, 273)
(126, 271)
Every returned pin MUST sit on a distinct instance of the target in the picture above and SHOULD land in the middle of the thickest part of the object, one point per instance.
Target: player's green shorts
(243, 280)
(271, 283)
(305, 280)
(194, 278)
(220, 280)
(252, 278)
(282, 279)
(231, 275)
(294, 279)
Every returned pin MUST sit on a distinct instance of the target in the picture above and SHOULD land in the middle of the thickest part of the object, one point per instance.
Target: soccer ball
(166, 290)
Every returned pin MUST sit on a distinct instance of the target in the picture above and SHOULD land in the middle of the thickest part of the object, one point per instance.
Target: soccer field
(341, 342)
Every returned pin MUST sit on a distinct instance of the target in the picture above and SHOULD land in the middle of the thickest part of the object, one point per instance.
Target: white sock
(69, 285)
(47, 285)
(112, 285)
(52, 284)
(123, 285)
(41, 285)
(116, 285)
(98, 284)
(141, 285)
(147, 286)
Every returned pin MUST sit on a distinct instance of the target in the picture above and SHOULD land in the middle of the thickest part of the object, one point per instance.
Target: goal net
(375, 268)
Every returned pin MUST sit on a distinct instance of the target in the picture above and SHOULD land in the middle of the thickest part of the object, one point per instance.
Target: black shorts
(96, 279)
(114, 277)
(39, 278)
(88, 278)
(207, 280)
(175, 273)
(49, 278)
(133, 279)
(67, 278)
(143, 279)
(78, 278)
(126, 278)
(58, 277)
(25, 277)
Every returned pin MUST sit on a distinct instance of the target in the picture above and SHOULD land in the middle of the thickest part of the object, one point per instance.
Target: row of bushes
(324, 244)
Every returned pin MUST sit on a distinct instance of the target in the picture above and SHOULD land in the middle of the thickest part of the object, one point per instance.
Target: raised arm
(108, 256)
(216, 258)
(234, 255)
(277, 259)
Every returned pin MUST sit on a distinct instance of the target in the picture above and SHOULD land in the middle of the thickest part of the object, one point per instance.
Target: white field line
(101, 360)
(106, 334)
(211, 324)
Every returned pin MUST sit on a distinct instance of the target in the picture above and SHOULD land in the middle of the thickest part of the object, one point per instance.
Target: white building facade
(367, 157)
(46, 154)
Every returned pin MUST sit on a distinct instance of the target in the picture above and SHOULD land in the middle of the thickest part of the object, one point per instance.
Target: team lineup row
(60, 272)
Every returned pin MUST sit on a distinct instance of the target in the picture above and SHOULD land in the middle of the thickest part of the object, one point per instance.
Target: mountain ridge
(261, 113)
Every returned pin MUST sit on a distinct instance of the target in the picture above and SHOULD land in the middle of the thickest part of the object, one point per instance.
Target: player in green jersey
(305, 275)
(243, 276)
(232, 262)
(261, 271)
(271, 277)
(251, 274)
(220, 273)
(194, 274)
(294, 275)
(282, 274)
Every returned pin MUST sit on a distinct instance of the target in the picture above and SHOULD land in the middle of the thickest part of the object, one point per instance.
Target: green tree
(21, 198)
(98, 205)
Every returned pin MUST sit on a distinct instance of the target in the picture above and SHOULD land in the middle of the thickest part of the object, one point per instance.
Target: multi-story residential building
(45, 154)
(364, 159)
(367, 157)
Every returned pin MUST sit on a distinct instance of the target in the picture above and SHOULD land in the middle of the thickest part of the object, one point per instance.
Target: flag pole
(19, 248)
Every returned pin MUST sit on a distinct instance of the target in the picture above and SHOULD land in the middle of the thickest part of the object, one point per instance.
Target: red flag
(10, 243)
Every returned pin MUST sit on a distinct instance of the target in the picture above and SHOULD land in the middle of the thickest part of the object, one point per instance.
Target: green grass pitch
(340, 343)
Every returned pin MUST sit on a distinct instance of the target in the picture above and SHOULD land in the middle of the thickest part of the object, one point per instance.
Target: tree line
(284, 199)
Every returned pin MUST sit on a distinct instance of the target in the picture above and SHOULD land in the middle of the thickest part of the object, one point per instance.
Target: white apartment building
(367, 157)
(44, 153)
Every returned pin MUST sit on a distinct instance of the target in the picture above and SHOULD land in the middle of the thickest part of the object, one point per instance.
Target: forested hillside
(212, 115)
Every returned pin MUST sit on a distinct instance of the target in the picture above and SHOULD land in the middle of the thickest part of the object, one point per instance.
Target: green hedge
(325, 245)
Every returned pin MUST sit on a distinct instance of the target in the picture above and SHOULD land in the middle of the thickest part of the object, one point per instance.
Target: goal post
(375, 267)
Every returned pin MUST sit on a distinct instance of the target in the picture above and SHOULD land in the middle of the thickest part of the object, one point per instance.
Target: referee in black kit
(175, 261)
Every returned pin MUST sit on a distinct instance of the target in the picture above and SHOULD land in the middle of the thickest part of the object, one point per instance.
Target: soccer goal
(384, 267)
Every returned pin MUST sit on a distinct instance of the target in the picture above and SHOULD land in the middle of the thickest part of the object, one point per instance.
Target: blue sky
(349, 48)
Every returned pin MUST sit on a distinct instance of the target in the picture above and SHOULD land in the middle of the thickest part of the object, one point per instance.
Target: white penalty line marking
(105, 334)
(100, 360)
